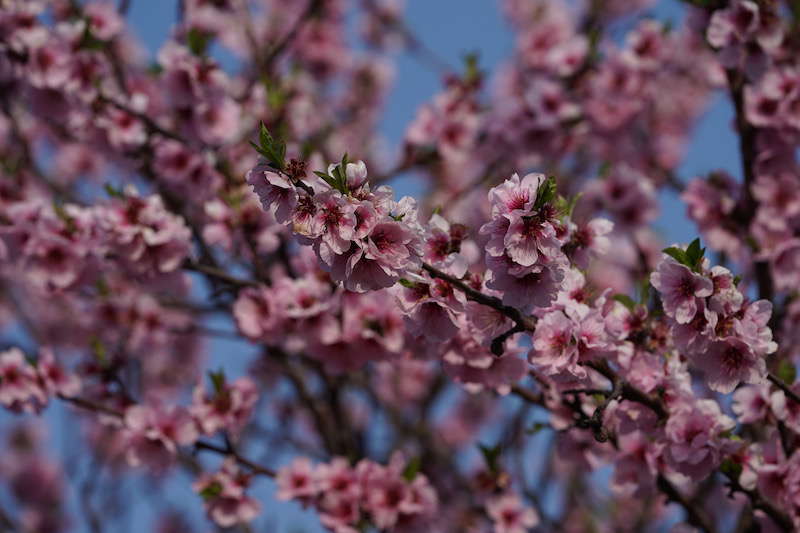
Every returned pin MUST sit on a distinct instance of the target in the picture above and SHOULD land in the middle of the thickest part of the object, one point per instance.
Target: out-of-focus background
(451, 28)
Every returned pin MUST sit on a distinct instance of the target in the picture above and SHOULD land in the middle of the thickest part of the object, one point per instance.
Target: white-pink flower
(680, 288)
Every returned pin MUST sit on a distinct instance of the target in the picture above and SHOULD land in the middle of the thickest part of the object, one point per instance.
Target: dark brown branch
(628, 391)
(230, 452)
(783, 521)
(151, 124)
(527, 395)
(746, 210)
(90, 405)
(778, 382)
(280, 46)
(527, 323)
(218, 274)
(498, 342)
(695, 516)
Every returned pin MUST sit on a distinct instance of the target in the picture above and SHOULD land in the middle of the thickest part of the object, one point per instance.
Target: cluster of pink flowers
(153, 432)
(27, 385)
(390, 497)
(61, 247)
(224, 495)
(35, 480)
(745, 36)
(722, 334)
(344, 330)
(510, 514)
(525, 237)
(363, 238)
(237, 224)
(570, 332)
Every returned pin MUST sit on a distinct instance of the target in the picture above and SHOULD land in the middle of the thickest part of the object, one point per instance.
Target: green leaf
(787, 372)
(491, 454)
(731, 468)
(567, 205)
(155, 69)
(99, 350)
(274, 150)
(197, 41)
(217, 380)
(677, 254)
(536, 428)
(65, 217)
(472, 72)
(412, 469)
(337, 178)
(408, 284)
(546, 193)
(341, 174)
(102, 287)
(112, 191)
(327, 178)
(276, 96)
(694, 254)
(89, 41)
(644, 292)
(625, 300)
(212, 490)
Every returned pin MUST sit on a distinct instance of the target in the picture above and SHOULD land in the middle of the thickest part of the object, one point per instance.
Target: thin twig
(695, 516)
(527, 323)
(787, 390)
(244, 461)
(218, 274)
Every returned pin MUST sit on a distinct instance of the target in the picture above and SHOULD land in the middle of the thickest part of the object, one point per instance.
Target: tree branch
(527, 323)
(696, 517)
(787, 390)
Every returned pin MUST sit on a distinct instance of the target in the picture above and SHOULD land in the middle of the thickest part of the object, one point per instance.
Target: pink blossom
(515, 194)
(728, 362)
(590, 239)
(55, 379)
(224, 496)
(534, 286)
(336, 220)
(785, 408)
(510, 515)
(104, 21)
(19, 383)
(228, 407)
(680, 288)
(275, 191)
(693, 445)
(259, 314)
(337, 477)
(709, 203)
(743, 34)
(297, 480)
(751, 403)
(141, 230)
(636, 464)
(786, 265)
(554, 347)
(154, 434)
(646, 45)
